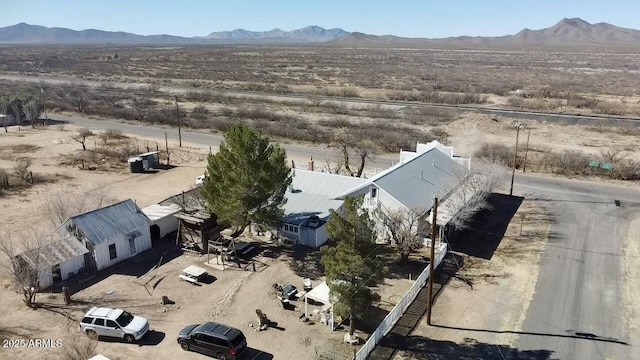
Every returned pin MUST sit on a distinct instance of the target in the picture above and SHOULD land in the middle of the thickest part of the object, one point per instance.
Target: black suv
(221, 341)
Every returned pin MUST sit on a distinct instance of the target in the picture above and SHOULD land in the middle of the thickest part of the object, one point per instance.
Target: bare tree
(32, 110)
(333, 166)
(79, 101)
(315, 100)
(60, 206)
(81, 137)
(406, 229)
(348, 146)
(21, 169)
(472, 192)
(25, 262)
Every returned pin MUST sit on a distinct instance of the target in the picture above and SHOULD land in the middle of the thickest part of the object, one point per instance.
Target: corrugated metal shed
(312, 193)
(55, 253)
(111, 221)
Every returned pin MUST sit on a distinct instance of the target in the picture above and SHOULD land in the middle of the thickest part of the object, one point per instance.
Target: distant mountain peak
(311, 33)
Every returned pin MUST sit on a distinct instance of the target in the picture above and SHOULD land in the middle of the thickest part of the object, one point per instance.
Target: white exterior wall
(45, 278)
(321, 235)
(101, 251)
(166, 224)
(71, 266)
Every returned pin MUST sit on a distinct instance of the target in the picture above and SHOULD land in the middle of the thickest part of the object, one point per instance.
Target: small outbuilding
(56, 262)
(111, 234)
(163, 219)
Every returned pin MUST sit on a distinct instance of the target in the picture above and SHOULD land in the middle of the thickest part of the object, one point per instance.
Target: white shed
(57, 261)
(111, 234)
(162, 219)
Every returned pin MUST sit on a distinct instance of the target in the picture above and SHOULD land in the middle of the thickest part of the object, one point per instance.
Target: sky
(409, 18)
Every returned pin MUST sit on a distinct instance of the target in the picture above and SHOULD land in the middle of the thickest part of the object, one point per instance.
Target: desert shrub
(199, 112)
(582, 102)
(496, 153)
(440, 134)
(626, 169)
(110, 134)
(349, 92)
(609, 108)
(567, 162)
(21, 169)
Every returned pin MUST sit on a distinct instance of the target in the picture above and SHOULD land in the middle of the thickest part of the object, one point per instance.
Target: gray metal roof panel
(111, 221)
(55, 253)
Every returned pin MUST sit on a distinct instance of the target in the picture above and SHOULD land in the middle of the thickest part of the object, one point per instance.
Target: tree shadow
(303, 261)
(486, 231)
(420, 347)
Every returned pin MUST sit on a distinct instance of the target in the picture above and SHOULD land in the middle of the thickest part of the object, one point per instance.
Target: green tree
(246, 180)
(352, 266)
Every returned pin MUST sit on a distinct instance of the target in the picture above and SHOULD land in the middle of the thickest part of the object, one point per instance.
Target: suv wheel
(129, 338)
(184, 345)
(92, 335)
(221, 356)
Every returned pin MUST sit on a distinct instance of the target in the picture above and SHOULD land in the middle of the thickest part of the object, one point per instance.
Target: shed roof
(111, 221)
(54, 253)
(156, 211)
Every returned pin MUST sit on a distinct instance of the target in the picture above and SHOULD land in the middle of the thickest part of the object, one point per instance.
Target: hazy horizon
(417, 19)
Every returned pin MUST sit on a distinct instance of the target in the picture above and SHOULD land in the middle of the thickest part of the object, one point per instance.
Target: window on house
(132, 245)
(112, 251)
(374, 192)
(295, 229)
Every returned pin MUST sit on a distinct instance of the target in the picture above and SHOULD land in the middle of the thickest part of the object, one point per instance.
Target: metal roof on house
(156, 211)
(416, 181)
(54, 253)
(312, 193)
(111, 221)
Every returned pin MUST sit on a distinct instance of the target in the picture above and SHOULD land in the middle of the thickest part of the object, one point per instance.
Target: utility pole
(178, 117)
(435, 86)
(434, 234)
(515, 158)
(166, 144)
(526, 151)
(44, 105)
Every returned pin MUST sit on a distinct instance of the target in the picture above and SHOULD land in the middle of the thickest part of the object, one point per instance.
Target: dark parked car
(221, 341)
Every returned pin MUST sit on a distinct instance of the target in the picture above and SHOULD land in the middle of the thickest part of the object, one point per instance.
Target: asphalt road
(577, 309)
(296, 151)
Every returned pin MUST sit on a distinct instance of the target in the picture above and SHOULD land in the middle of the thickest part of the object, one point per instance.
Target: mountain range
(567, 32)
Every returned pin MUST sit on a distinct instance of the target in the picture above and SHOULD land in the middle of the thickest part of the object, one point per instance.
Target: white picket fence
(399, 309)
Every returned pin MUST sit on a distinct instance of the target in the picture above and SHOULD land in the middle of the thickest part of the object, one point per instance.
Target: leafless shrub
(609, 108)
(21, 169)
(440, 133)
(78, 349)
(497, 153)
(110, 134)
(24, 262)
(407, 229)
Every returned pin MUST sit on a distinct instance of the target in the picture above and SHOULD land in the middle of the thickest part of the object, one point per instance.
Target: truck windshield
(124, 319)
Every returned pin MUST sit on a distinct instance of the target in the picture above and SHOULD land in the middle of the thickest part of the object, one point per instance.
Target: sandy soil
(235, 295)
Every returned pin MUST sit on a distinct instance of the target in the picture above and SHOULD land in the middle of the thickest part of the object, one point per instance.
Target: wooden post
(67, 295)
(157, 146)
(526, 151)
(178, 117)
(515, 159)
(210, 150)
(434, 233)
(31, 176)
(166, 144)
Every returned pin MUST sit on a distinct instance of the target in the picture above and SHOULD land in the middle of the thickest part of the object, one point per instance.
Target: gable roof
(312, 193)
(54, 253)
(416, 181)
(111, 221)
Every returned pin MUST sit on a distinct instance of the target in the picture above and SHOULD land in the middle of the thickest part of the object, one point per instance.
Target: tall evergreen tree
(246, 180)
(352, 266)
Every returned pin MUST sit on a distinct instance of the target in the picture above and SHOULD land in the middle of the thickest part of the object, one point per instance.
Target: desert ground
(306, 96)
(234, 298)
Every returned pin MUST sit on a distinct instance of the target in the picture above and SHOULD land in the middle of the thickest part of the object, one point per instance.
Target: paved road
(298, 152)
(580, 284)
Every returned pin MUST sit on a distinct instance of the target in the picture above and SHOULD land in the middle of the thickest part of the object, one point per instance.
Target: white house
(111, 234)
(411, 184)
(56, 262)
(309, 199)
(162, 218)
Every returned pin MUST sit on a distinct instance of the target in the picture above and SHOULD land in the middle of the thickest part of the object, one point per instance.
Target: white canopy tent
(320, 294)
